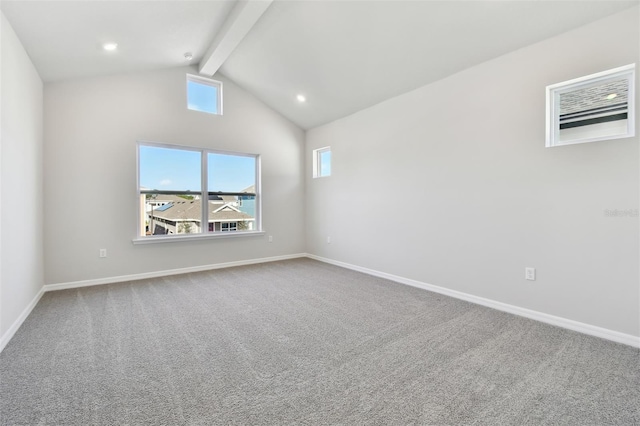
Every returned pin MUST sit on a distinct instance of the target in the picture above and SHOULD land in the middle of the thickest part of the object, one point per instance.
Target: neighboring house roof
(219, 199)
(228, 215)
(189, 210)
(250, 189)
(231, 198)
(170, 198)
(594, 97)
(228, 206)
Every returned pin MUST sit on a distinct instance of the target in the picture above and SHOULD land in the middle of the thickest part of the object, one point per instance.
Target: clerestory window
(204, 94)
(322, 162)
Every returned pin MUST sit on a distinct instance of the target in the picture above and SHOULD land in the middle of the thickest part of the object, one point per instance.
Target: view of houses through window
(182, 188)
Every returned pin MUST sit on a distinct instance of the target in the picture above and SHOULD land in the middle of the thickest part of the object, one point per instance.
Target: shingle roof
(594, 97)
(222, 198)
(172, 198)
(190, 210)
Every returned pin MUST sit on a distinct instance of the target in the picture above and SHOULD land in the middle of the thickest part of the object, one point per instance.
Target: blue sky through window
(178, 169)
(325, 163)
(202, 97)
(231, 173)
(168, 169)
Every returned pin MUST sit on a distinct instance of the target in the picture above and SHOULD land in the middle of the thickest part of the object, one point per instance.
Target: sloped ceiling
(64, 38)
(343, 56)
(347, 56)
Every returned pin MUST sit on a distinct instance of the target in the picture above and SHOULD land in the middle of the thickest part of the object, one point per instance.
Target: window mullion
(258, 191)
(205, 193)
(239, 205)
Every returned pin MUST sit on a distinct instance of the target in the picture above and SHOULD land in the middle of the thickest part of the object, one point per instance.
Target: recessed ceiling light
(110, 46)
(188, 56)
(612, 96)
(301, 98)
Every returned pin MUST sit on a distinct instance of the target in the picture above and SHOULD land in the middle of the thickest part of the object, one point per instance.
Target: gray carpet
(302, 342)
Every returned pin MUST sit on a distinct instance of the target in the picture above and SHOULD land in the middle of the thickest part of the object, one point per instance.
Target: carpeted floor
(302, 342)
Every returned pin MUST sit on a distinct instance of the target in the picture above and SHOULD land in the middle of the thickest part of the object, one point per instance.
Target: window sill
(195, 237)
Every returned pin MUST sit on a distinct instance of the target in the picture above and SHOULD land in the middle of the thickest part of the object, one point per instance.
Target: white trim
(6, 337)
(145, 275)
(580, 327)
(198, 79)
(602, 75)
(317, 162)
(258, 191)
(229, 227)
(225, 205)
(204, 198)
(237, 25)
(204, 190)
(553, 92)
(153, 239)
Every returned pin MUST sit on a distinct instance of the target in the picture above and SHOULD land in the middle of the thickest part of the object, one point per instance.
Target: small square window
(204, 94)
(322, 162)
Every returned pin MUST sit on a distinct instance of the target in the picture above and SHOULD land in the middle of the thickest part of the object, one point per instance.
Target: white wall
(91, 129)
(21, 256)
(451, 185)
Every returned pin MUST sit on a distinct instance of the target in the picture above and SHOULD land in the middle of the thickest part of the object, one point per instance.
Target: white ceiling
(344, 56)
(64, 38)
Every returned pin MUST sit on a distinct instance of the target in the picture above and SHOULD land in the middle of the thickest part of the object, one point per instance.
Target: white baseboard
(592, 330)
(18, 322)
(155, 274)
(580, 327)
(6, 337)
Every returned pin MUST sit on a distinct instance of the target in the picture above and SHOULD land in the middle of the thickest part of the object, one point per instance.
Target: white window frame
(207, 82)
(554, 91)
(317, 161)
(204, 193)
(229, 227)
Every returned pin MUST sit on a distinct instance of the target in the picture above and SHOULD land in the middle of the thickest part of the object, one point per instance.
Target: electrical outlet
(328, 240)
(103, 252)
(530, 274)
(270, 238)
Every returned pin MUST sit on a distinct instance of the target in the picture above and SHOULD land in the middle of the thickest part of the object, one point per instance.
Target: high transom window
(322, 162)
(204, 94)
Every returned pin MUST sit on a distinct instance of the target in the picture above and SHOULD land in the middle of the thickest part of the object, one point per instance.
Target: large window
(196, 192)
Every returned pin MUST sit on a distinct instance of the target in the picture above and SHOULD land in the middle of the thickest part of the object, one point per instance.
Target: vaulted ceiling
(343, 56)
